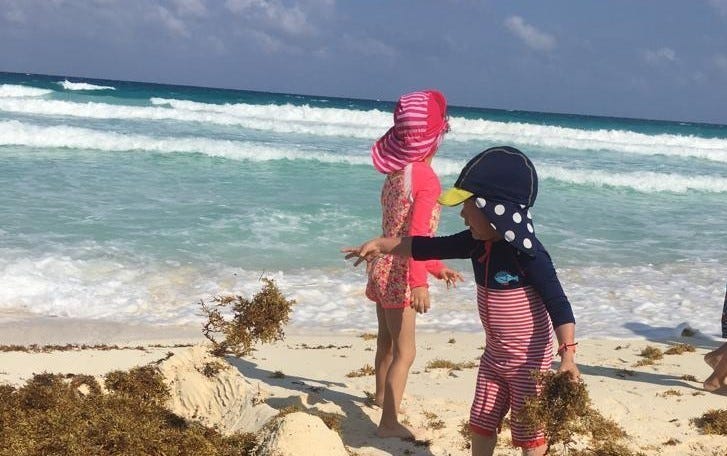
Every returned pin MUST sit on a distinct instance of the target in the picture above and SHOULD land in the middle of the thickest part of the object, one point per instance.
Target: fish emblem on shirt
(506, 279)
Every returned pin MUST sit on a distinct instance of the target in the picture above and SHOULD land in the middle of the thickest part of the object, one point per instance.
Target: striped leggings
(519, 341)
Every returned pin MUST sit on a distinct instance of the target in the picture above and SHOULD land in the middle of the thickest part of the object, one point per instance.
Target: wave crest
(371, 124)
(21, 91)
(16, 133)
(68, 85)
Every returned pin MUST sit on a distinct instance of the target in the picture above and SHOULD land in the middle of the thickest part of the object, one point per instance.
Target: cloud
(660, 55)
(720, 61)
(12, 12)
(268, 43)
(15, 15)
(532, 37)
(366, 46)
(217, 45)
(720, 6)
(190, 7)
(273, 14)
(170, 21)
(171, 18)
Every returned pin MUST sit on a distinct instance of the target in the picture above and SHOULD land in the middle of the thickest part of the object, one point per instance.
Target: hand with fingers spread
(370, 250)
(450, 277)
(367, 251)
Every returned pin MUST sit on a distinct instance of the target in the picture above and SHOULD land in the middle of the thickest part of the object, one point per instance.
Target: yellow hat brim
(454, 196)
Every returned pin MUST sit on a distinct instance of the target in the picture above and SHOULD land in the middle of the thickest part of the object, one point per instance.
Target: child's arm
(566, 334)
(541, 273)
(460, 245)
(425, 189)
(544, 279)
(370, 250)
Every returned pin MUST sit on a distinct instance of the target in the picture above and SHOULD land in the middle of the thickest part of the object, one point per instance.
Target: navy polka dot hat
(504, 183)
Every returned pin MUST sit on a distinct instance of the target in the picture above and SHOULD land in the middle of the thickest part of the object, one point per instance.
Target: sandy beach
(319, 372)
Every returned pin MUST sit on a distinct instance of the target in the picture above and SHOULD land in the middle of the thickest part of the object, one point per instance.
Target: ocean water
(132, 202)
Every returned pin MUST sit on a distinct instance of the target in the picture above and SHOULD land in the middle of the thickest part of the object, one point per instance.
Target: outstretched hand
(450, 276)
(367, 251)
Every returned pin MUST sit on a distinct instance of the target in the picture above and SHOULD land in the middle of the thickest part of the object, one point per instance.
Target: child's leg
(384, 355)
(401, 323)
(538, 451)
(489, 406)
(483, 445)
(715, 356)
(524, 386)
(717, 379)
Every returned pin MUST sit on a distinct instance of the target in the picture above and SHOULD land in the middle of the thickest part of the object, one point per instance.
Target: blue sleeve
(460, 245)
(541, 274)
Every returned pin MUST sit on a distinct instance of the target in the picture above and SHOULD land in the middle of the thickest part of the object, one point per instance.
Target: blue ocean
(131, 202)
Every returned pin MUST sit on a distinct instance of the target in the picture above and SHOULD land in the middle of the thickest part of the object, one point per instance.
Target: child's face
(478, 223)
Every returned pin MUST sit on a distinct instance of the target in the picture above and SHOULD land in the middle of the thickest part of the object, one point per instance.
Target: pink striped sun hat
(419, 120)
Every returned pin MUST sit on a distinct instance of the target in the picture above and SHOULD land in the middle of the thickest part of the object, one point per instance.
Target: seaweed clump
(563, 410)
(678, 349)
(258, 319)
(712, 422)
(70, 415)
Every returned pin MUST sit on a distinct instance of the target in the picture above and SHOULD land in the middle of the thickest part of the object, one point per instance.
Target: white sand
(315, 368)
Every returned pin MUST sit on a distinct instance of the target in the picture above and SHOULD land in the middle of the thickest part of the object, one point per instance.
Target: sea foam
(20, 91)
(368, 125)
(28, 135)
(100, 286)
(68, 85)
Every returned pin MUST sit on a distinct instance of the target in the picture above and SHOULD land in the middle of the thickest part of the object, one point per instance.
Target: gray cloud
(532, 37)
(660, 55)
(12, 11)
(368, 46)
(170, 21)
(720, 61)
(190, 8)
(468, 48)
(272, 14)
(720, 6)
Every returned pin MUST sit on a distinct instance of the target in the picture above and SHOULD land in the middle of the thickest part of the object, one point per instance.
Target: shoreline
(24, 329)
(653, 403)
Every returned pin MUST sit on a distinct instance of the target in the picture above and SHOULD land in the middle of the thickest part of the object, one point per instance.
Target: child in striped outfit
(409, 206)
(519, 297)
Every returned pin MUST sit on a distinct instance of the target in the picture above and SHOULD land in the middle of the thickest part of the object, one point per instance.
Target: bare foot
(713, 384)
(712, 359)
(399, 430)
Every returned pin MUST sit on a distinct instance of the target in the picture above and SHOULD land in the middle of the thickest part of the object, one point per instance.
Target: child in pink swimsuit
(409, 208)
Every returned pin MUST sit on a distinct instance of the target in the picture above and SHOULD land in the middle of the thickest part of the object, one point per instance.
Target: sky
(664, 59)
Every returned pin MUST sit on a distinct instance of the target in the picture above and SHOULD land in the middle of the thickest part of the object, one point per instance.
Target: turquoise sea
(130, 202)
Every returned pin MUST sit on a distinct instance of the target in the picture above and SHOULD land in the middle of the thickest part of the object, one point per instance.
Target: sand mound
(223, 398)
(299, 433)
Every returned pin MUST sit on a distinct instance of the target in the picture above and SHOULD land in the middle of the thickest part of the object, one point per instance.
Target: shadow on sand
(637, 376)
(660, 335)
(672, 335)
(357, 429)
